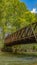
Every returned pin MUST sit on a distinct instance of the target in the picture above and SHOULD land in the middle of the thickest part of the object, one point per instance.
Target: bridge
(25, 35)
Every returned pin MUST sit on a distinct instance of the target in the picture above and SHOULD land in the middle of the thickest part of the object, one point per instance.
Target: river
(14, 60)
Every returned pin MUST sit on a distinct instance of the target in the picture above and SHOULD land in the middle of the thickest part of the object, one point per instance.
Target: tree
(13, 16)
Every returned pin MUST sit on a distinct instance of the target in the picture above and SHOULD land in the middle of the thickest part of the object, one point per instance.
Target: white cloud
(34, 10)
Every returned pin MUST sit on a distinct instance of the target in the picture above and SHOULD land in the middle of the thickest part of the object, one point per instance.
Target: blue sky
(30, 4)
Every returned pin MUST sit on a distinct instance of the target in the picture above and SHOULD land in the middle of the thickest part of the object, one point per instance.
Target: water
(14, 60)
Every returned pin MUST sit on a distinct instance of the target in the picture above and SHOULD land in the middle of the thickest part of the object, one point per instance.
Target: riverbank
(25, 54)
(22, 50)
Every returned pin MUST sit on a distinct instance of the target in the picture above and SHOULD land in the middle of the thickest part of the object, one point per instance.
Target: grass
(22, 51)
(27, 49)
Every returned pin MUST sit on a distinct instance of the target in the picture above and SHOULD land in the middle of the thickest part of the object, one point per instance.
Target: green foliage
(36, 17)
(14, 15)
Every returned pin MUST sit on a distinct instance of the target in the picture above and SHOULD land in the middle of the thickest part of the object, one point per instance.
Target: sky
(31, 5)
